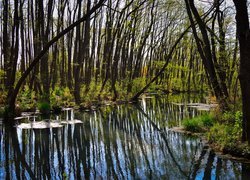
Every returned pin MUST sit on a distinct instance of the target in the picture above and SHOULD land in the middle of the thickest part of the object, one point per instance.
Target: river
(115, 142)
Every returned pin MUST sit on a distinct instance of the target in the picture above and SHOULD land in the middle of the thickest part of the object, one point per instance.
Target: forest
(83, 54)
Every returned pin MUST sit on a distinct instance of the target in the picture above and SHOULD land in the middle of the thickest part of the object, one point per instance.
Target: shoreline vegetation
(220, 131)
(213, 146)
(92, 97)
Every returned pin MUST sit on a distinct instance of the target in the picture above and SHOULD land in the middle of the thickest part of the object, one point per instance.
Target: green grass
(199, 124)
(223, 130)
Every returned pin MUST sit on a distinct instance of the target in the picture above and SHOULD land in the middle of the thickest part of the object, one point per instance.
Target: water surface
(115, 142)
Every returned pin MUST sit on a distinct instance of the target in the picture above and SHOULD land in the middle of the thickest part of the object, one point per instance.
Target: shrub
(67, 97)
(193, 125)
(44, 107)
(207, 120)
(61, 97)
(3, 96)
(223, 135)
(228, 117)
(26, 99)
(138, 84)
(91, 92)
(237, 125)
(198, 124)
(227, 134)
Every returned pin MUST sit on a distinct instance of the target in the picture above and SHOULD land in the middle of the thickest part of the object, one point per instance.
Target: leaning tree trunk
(11, 103)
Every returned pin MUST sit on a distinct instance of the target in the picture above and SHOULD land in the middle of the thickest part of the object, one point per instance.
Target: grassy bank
(222, 130)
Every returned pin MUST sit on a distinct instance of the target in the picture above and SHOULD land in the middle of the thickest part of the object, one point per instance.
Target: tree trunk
(11, 103)
(244, 74)
(6, 43)
(205, 52)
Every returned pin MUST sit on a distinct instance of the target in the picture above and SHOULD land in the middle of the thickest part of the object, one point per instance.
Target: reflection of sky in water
(123, 142)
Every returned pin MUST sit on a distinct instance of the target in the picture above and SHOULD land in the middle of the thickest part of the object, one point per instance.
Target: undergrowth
(222, 130)
(199, 124)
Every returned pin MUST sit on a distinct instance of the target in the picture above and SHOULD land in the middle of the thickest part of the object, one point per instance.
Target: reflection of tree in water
(120, 142)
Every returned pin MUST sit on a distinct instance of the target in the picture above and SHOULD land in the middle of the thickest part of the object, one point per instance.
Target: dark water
(121, 142)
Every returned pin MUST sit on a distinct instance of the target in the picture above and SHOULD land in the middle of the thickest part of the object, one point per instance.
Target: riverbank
(221, 133)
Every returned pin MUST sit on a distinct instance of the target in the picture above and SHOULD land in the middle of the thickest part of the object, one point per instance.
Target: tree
(243, 30)
(12, 98)
(204, 48)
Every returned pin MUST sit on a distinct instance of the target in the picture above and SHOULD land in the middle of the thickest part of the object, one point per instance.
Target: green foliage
(65, 176)
(207, 120)
(90, 93)
(224, 135)
(27, 99)
(121, 89)
(106, 111)
(138, 84)
(3, 96)
(227, 132)
(176, 84)
(171, 124)
(2, 76)
(44, 107)
(219, 133)
(198, 124)
(237, 125)
(228, 117)
(176, 77)
(67, 96)
(61, 97)
(18, 76)
(193, 125)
